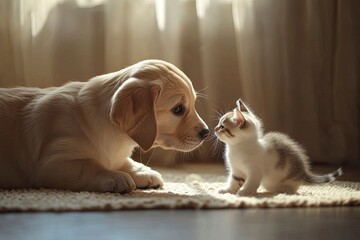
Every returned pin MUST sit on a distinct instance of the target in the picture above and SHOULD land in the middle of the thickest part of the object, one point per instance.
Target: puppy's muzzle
(203, 133)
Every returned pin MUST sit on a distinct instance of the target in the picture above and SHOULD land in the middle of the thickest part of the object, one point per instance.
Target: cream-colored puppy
(81, 136)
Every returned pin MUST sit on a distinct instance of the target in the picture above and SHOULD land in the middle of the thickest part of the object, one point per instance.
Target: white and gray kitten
(273, 160)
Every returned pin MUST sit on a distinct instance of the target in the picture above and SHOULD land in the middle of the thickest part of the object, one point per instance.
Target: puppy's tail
(312, 178)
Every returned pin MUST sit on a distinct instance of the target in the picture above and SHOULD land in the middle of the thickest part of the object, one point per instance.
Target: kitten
(272, 160)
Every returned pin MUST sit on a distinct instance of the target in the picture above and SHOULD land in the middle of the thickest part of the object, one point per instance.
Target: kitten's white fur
(273, 160)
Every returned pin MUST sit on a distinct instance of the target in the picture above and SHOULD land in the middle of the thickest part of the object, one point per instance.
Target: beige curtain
(295, 62)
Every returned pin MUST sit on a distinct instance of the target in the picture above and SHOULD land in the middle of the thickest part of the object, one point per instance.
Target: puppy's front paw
(119, 182)
(147, 178)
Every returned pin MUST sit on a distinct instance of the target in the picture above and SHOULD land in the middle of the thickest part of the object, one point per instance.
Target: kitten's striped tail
(312, 178)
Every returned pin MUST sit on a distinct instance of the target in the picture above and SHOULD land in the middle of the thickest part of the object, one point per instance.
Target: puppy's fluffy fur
(80, 136)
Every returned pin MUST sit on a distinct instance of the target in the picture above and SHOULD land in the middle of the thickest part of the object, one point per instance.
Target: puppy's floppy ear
(132, 109)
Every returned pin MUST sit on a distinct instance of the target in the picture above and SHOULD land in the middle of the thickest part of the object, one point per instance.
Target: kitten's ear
(239, 118)
(241, 106)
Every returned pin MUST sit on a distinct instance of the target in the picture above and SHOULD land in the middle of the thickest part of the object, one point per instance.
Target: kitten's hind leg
(234, 183)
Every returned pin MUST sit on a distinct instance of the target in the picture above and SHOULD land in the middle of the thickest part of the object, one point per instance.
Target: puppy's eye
(178, 110)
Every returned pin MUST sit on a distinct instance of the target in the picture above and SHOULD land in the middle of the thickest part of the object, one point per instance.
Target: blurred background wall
(296, 63)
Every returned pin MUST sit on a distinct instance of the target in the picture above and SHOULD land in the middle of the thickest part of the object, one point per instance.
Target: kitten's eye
(219, 128)
(178, 110)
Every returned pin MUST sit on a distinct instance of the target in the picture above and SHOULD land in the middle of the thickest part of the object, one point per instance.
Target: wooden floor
(297, 223)
(289, 223)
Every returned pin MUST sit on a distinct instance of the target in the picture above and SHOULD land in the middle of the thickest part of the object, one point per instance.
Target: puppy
(80, 136)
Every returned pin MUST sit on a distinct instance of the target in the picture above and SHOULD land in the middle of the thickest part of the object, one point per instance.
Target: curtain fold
(296, 63)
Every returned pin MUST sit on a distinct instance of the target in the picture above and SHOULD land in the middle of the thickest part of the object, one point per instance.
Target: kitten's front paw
(147, 178)
(226, 190)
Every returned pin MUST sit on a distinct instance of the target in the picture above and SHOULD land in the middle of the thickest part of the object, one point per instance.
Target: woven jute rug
(183, 189)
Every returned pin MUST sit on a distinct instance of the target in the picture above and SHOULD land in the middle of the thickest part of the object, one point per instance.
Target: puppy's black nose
(203, 133)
